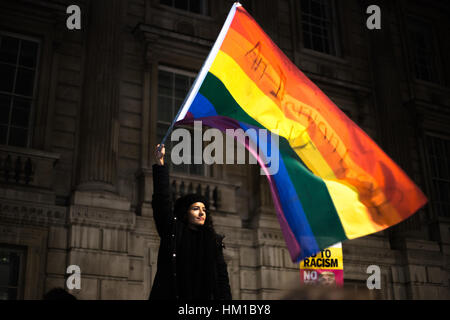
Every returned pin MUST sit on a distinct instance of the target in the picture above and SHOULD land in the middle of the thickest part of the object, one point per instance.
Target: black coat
(170, 230)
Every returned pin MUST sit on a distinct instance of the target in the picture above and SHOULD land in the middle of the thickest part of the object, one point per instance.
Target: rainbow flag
(334, 183)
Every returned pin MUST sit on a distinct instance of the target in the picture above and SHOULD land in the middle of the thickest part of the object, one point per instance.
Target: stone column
(151, 55)
(394, 119)
(99, 126)
(264, 215)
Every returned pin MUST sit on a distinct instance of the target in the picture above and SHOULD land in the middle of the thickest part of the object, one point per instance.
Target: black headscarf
(196, 253)
(183, 203)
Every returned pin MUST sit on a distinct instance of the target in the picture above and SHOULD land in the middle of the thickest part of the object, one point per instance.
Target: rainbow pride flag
(334, 183)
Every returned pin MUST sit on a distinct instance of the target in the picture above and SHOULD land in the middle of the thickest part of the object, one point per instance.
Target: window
(194, 6)
(18, 62)
(319, 26)
(11, 273)
(438, 150)
(173, 86)
(422, 45)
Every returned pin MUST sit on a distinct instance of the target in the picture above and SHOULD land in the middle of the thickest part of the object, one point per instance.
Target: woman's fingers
(159, 154)
(161, 149)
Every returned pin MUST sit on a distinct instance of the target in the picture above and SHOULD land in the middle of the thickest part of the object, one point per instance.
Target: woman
(190, 258)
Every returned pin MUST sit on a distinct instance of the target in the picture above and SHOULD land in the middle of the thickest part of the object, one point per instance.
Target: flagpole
(203, 72)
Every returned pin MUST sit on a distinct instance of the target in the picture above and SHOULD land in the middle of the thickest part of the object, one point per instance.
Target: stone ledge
(226, 219)
(102, 217)
(414, 244)
(278, 278)
(54, 281)
(248, 257)
(436, 275)
(136, 291)
(247, 294)
(271, 294)
(100, 263)
(28, 213)
(446, 249)
(114, 240)
(101, 200)
(57, 238)
(371, 255)
(370, 241)
(236, 237)
(249, 279)
(84, 237)
(28, 167)
(423, 257)
(89, 288)
(145, 225)
(222, 194)
(398, 274)
(136, 269)
(113, 289)
(27, 194)
(56, 262)
(136, 245)
(272, 237)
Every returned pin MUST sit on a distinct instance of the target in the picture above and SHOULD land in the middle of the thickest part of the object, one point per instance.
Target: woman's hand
(159, 155)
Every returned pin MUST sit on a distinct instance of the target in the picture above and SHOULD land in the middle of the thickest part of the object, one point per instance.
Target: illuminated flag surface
(334, 183)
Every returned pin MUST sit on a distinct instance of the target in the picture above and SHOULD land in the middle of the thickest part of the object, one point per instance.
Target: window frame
(206, 168)
(410, 27)
(436, 211)
(34, 97)
(22, 251)
(334, 39)
(206, 10)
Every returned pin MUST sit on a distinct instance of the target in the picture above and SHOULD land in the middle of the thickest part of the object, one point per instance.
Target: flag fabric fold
(334, 183)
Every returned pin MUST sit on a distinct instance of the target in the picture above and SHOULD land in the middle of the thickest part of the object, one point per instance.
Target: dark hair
(183, 203)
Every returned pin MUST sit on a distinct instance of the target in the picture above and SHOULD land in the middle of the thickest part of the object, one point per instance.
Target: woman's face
(197, 214)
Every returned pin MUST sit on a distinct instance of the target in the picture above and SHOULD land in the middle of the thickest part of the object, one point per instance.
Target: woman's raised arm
(162, 197)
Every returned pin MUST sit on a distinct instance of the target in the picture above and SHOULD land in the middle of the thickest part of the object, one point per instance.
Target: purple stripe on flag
(222, 123)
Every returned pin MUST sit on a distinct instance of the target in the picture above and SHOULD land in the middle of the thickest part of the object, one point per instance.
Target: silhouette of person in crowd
(58, 294)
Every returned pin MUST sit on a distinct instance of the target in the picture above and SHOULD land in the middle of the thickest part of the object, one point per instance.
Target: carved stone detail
(271, 237)
(26, 214)
(102, 217)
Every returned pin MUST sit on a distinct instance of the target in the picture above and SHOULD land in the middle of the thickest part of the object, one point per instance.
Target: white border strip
(178, 71)
(336, 245)
(207, 64)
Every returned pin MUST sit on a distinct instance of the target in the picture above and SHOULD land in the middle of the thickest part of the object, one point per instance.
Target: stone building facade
(83, 109)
